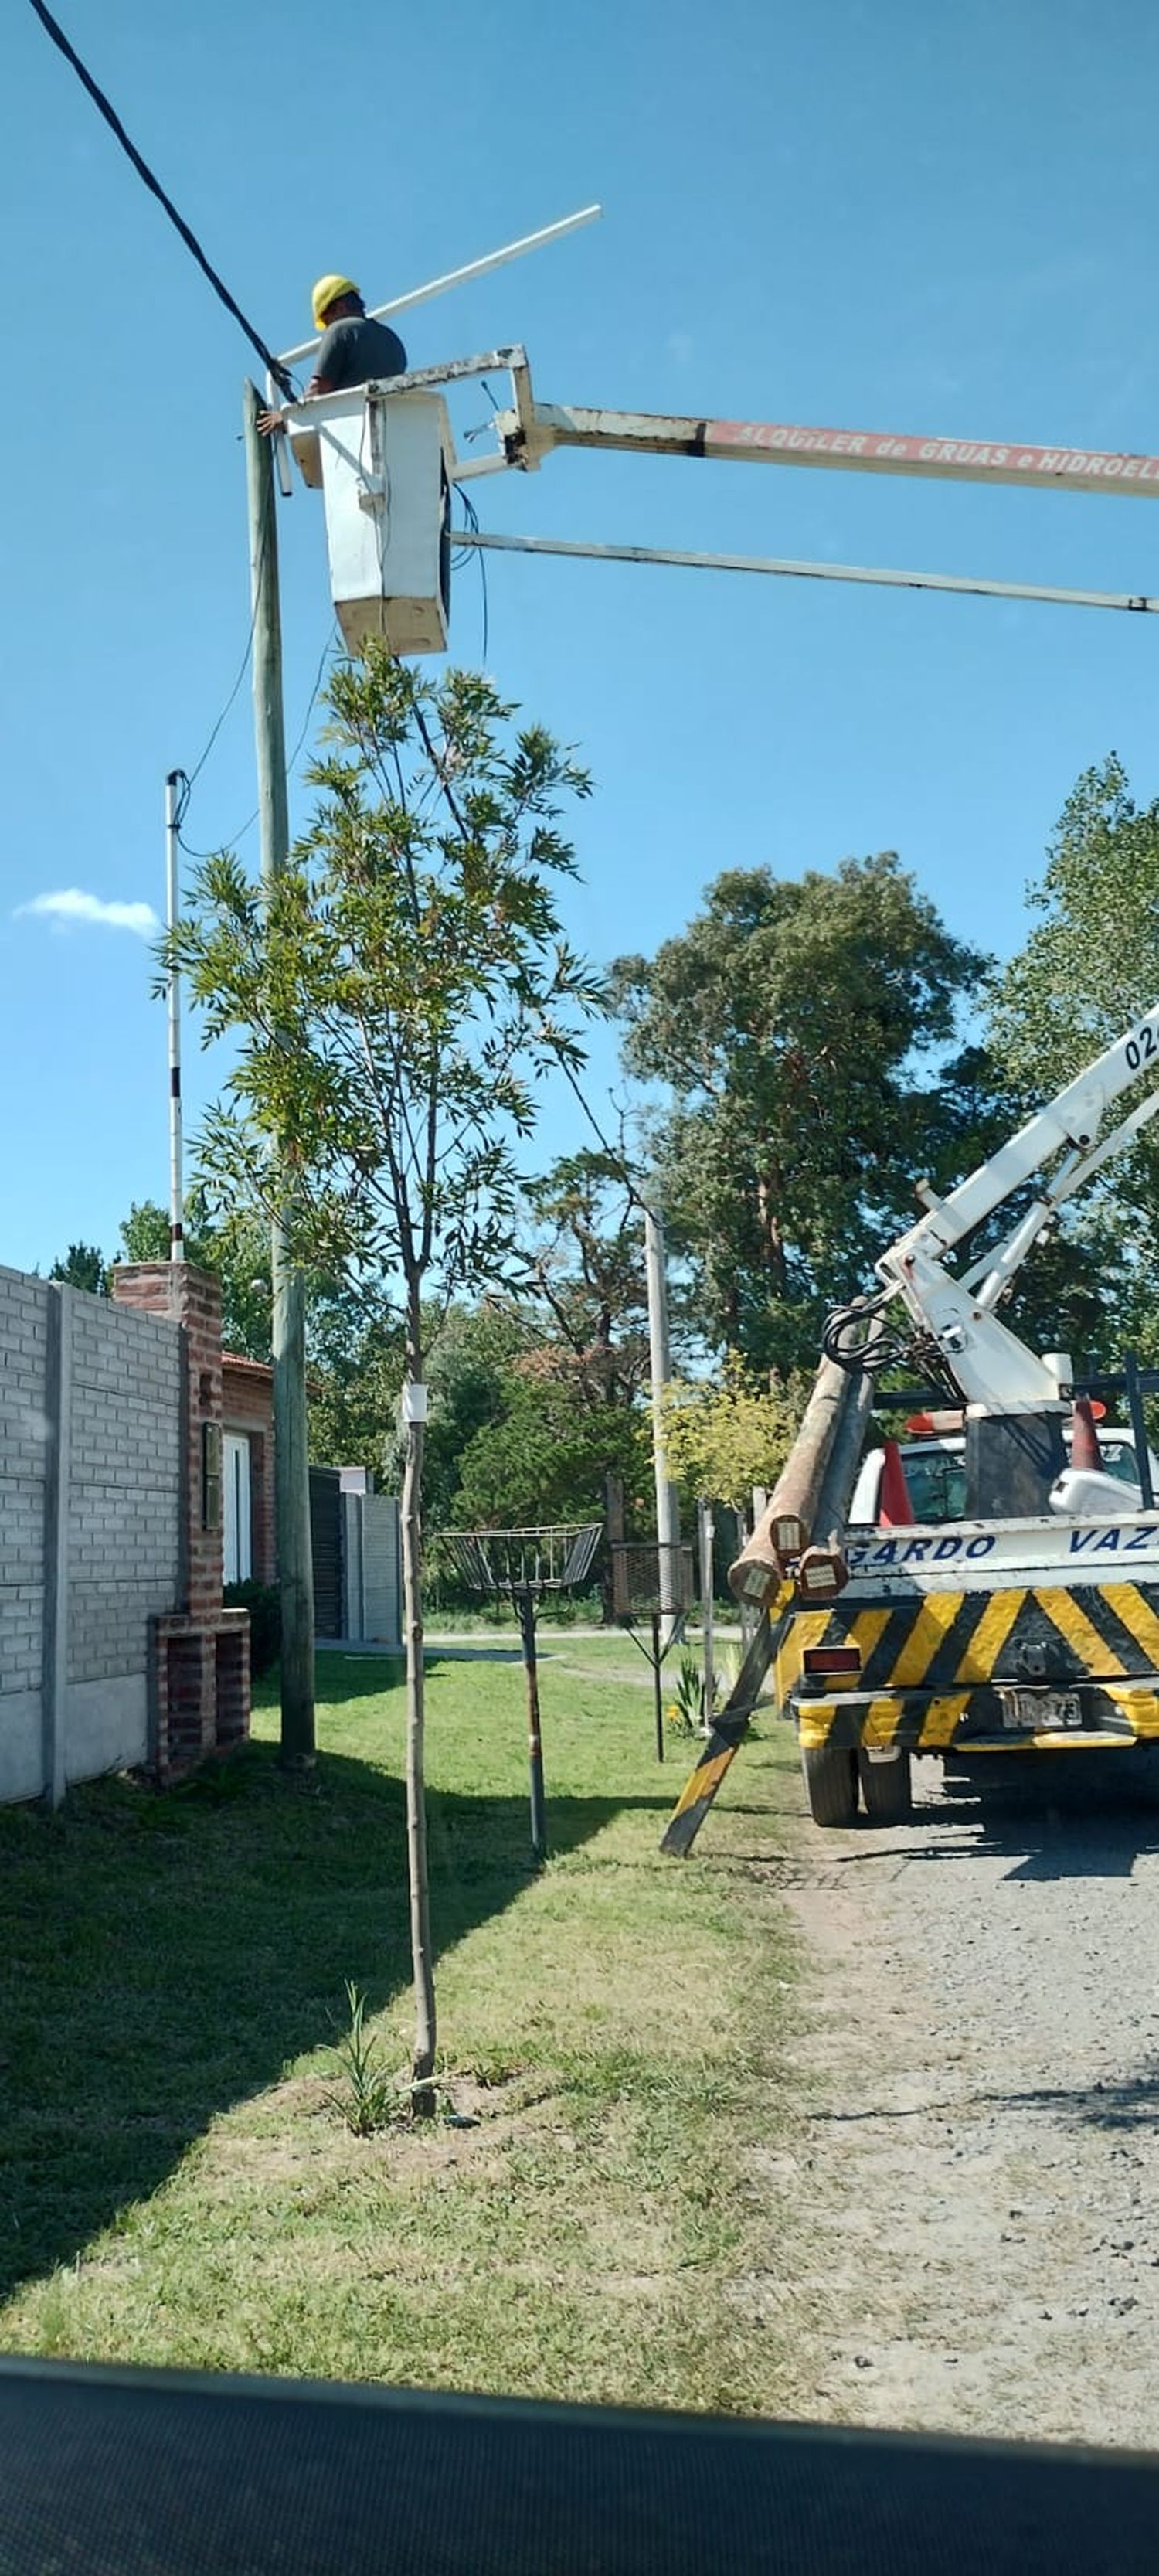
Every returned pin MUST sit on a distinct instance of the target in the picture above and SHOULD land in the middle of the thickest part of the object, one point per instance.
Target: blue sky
(876, 215)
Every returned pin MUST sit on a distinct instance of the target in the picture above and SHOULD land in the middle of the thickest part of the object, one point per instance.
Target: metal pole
(172, 906)
(707, 1529)
(882, 577)
(667, 1503)
(537, 1800)
(460, 276)
(291, 1451)
(657, 1660)
(1139, 1427)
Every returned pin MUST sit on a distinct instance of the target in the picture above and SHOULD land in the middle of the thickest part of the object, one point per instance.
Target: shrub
(263, 1602)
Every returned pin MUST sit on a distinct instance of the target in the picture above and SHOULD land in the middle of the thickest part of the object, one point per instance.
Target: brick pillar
(199, 1654)
(192, 1298)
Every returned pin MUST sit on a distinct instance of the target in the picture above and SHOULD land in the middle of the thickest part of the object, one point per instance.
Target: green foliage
(263, 1601)
(801, 1028)
(234, 1244)
(471, 1377)
(724, 1436)
(586, 1272)
(685, 1704)
(1089, 966)
(396, 998)
(545, 1457)
(369, 2094)
(84, 1267)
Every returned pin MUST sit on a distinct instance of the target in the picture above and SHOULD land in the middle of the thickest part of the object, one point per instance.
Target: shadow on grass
(163, 1957)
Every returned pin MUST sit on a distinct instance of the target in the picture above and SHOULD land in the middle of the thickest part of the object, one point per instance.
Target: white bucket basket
(385, 466)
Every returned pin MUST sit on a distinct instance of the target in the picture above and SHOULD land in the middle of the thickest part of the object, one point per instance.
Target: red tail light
(832, 1659)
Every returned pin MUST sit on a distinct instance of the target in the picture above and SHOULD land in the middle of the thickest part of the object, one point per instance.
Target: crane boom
(996, 1372)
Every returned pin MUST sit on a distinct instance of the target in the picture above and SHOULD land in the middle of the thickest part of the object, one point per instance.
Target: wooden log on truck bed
(791, 1514)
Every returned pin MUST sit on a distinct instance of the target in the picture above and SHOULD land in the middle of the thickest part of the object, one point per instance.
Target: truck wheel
(886, 1789)
(830, 1782)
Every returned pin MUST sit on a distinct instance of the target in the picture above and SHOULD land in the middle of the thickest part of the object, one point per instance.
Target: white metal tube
(883, 577)
(173, 996)
(460, 276)
(667, 1501)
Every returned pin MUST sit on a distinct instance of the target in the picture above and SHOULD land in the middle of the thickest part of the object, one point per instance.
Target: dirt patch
(979, 2154)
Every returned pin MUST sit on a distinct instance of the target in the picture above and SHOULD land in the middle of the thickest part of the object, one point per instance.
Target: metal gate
(326, 1549)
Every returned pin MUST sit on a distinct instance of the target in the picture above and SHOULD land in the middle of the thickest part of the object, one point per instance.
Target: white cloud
(72, 905)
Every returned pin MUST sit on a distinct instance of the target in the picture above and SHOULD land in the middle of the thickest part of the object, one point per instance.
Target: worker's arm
(270, 422)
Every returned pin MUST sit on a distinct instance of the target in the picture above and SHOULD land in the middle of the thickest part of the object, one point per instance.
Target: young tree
(394, 998)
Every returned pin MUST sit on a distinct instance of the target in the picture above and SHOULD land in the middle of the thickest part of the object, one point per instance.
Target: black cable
(107, 110)
(477, 551)
(232, 842)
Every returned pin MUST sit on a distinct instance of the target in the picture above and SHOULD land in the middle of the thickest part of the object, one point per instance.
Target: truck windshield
(936, 1484)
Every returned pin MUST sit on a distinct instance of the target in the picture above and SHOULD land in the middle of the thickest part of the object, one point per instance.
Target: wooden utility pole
(291, 1453)
(667, 1502)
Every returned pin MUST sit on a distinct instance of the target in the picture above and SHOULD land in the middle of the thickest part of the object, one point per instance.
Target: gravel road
(982, 2127)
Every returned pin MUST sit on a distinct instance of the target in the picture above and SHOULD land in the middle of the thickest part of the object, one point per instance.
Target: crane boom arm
(992, 1367)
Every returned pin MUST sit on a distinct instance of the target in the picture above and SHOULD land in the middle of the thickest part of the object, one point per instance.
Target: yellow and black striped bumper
(946, 1643)
(975, 1721)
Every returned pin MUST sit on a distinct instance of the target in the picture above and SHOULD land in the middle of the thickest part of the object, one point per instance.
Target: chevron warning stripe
(1052, 1633)
(702, 1784)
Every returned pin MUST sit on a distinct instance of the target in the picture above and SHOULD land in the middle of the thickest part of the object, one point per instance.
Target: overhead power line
(279, 373)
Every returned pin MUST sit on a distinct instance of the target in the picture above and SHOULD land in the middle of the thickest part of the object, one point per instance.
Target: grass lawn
(175, 2186)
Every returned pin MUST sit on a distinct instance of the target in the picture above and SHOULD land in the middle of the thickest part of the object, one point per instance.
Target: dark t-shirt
(355, 350)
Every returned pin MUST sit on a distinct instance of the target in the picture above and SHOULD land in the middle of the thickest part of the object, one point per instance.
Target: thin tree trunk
(422, 1957)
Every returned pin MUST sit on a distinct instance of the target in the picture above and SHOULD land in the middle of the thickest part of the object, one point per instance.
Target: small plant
(686, 1707)
(263, 1601)
(369, 2098)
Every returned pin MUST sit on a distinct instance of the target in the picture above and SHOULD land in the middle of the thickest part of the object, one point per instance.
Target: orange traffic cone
(1084, 1448)
(894, 1508)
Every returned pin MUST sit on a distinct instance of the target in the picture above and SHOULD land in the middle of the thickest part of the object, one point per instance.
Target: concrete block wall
(124, 1515)
(24, 1459)
(90, 1529)
(372, 1569)
(103, 1540)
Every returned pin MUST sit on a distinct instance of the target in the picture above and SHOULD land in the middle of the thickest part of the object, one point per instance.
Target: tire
(887, 1789)
(830, 1783)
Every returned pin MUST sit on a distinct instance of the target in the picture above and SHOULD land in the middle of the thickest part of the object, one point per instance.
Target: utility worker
(353, 349)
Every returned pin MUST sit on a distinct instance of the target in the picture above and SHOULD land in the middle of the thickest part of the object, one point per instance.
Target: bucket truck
(1031, 1622)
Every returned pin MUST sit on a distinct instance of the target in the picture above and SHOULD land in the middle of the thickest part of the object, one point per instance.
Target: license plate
(1026, 1711)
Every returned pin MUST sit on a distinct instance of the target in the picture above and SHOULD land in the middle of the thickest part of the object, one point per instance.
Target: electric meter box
(385, 461)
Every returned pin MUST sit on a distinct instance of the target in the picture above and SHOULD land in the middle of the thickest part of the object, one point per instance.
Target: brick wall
(199, 1658)
(191, 1298)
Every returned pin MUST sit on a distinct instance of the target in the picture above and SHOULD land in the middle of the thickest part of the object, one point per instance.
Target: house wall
(90, 1528)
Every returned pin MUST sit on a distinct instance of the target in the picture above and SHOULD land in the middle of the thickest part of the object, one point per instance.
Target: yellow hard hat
(326, 293)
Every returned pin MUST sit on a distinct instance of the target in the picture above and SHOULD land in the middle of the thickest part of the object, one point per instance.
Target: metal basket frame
(557, 1557)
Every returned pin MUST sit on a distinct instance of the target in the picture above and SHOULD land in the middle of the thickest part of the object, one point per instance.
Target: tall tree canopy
(801, 1028)
(1089, 967)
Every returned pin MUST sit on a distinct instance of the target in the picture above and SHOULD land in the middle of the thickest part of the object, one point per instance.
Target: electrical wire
(105, 107)
(464, 553)
(232, 841)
